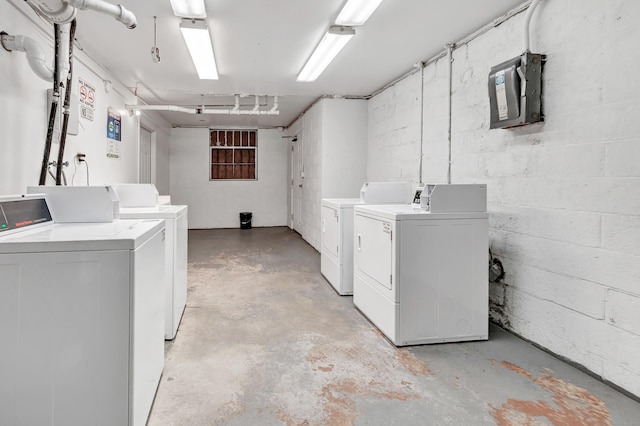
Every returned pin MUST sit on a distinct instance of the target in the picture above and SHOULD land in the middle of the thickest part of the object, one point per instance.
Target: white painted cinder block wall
(217, 204)
(24, 118)
(333, 137)
(563, 196)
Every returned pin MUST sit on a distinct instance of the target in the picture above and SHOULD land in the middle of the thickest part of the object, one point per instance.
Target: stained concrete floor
(265, 340)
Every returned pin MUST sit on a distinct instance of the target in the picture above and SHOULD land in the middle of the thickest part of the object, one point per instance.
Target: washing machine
(175, 275)
(141, 201)
(420, 273)
(82, 317)
(336, 238)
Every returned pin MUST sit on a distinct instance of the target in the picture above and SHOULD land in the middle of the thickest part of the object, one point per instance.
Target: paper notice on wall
(87, 97)
(501, 96)
(114, 136)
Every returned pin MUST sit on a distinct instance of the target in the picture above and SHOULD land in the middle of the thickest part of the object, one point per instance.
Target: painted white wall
(393, 151)
(217, 204)
(563, 195)
(333, 137)
(160, 137)
(24, 118)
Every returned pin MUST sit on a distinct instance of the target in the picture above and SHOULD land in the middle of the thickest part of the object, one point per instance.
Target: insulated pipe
(66, 105)
(35, 55)
(527, 24)
(64, 11)
(54, 109)
(237, 105)
(117, 11)
(201, 111)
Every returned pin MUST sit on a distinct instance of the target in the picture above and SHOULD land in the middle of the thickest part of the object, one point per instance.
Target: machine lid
(341, 202)
(117, 235)
(406, 211)
(157, 212)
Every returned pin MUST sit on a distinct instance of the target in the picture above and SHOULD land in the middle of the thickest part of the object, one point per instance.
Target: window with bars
(233, 154)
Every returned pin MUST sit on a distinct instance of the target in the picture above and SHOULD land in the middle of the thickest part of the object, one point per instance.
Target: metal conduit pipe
(527, 24)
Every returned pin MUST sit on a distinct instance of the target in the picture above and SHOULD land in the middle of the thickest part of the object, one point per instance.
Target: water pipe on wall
(66, 105)
(64, 11)
(215, 111)
(449, 48)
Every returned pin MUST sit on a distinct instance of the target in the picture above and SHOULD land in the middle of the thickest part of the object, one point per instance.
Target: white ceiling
(261, 45)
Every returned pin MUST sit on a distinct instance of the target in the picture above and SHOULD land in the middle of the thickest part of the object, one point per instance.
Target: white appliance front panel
(330, 270)
(443, 288)
(374, 253)
(331, 231)
(66, 338)
(381, 311)
(180, 280)
(148, 324)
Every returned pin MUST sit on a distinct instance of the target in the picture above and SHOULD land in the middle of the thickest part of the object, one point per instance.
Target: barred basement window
(233, 154)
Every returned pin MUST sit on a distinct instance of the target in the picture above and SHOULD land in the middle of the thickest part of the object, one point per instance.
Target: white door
(145, 156)
(330, 234)
(373, 251)
(297, 185)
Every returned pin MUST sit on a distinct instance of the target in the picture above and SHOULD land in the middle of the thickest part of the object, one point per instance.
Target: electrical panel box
(515, 91)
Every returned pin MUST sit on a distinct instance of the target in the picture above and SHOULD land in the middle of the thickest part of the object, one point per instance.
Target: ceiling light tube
(196, 36)
(356, 12)
(189, 8)
(330, 45)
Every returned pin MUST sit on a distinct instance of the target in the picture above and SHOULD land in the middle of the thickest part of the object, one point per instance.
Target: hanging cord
(87, 166)
(67, 103)
(54, 109)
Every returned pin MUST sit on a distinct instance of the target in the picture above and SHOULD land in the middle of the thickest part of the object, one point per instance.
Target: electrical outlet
(80, 156)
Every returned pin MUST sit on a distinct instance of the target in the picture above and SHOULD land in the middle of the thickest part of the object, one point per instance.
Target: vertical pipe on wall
(66, 105)
(54, 108)
(449, 48)
(421, 122)
(527, 24)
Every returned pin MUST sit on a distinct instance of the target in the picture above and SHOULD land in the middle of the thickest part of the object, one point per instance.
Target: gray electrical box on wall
(515, 91)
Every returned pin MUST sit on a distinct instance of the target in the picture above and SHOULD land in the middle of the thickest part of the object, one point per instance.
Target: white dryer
(422, 277)
(175, 288)
(336, 254)
(82, 317)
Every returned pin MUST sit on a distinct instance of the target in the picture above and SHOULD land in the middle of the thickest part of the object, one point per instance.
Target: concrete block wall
(217, 204)
(393, 151)
(563, 195)
(333, 136)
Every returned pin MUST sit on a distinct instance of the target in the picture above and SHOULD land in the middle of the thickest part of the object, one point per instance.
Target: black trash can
(245, 220)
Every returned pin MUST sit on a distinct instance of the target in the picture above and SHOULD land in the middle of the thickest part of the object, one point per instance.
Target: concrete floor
(265, 340)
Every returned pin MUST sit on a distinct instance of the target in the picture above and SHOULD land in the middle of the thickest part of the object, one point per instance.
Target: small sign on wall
(87, 97)
(114, 136)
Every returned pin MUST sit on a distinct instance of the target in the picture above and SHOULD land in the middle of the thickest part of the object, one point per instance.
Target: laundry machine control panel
(18, 213)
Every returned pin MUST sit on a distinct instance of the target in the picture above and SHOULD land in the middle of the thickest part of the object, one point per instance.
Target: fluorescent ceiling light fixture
(196, 36)
(356, 12)
(330, 45)
(189, 8)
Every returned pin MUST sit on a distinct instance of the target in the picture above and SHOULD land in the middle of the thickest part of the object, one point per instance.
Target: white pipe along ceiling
(64, 11)
(203, 110)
